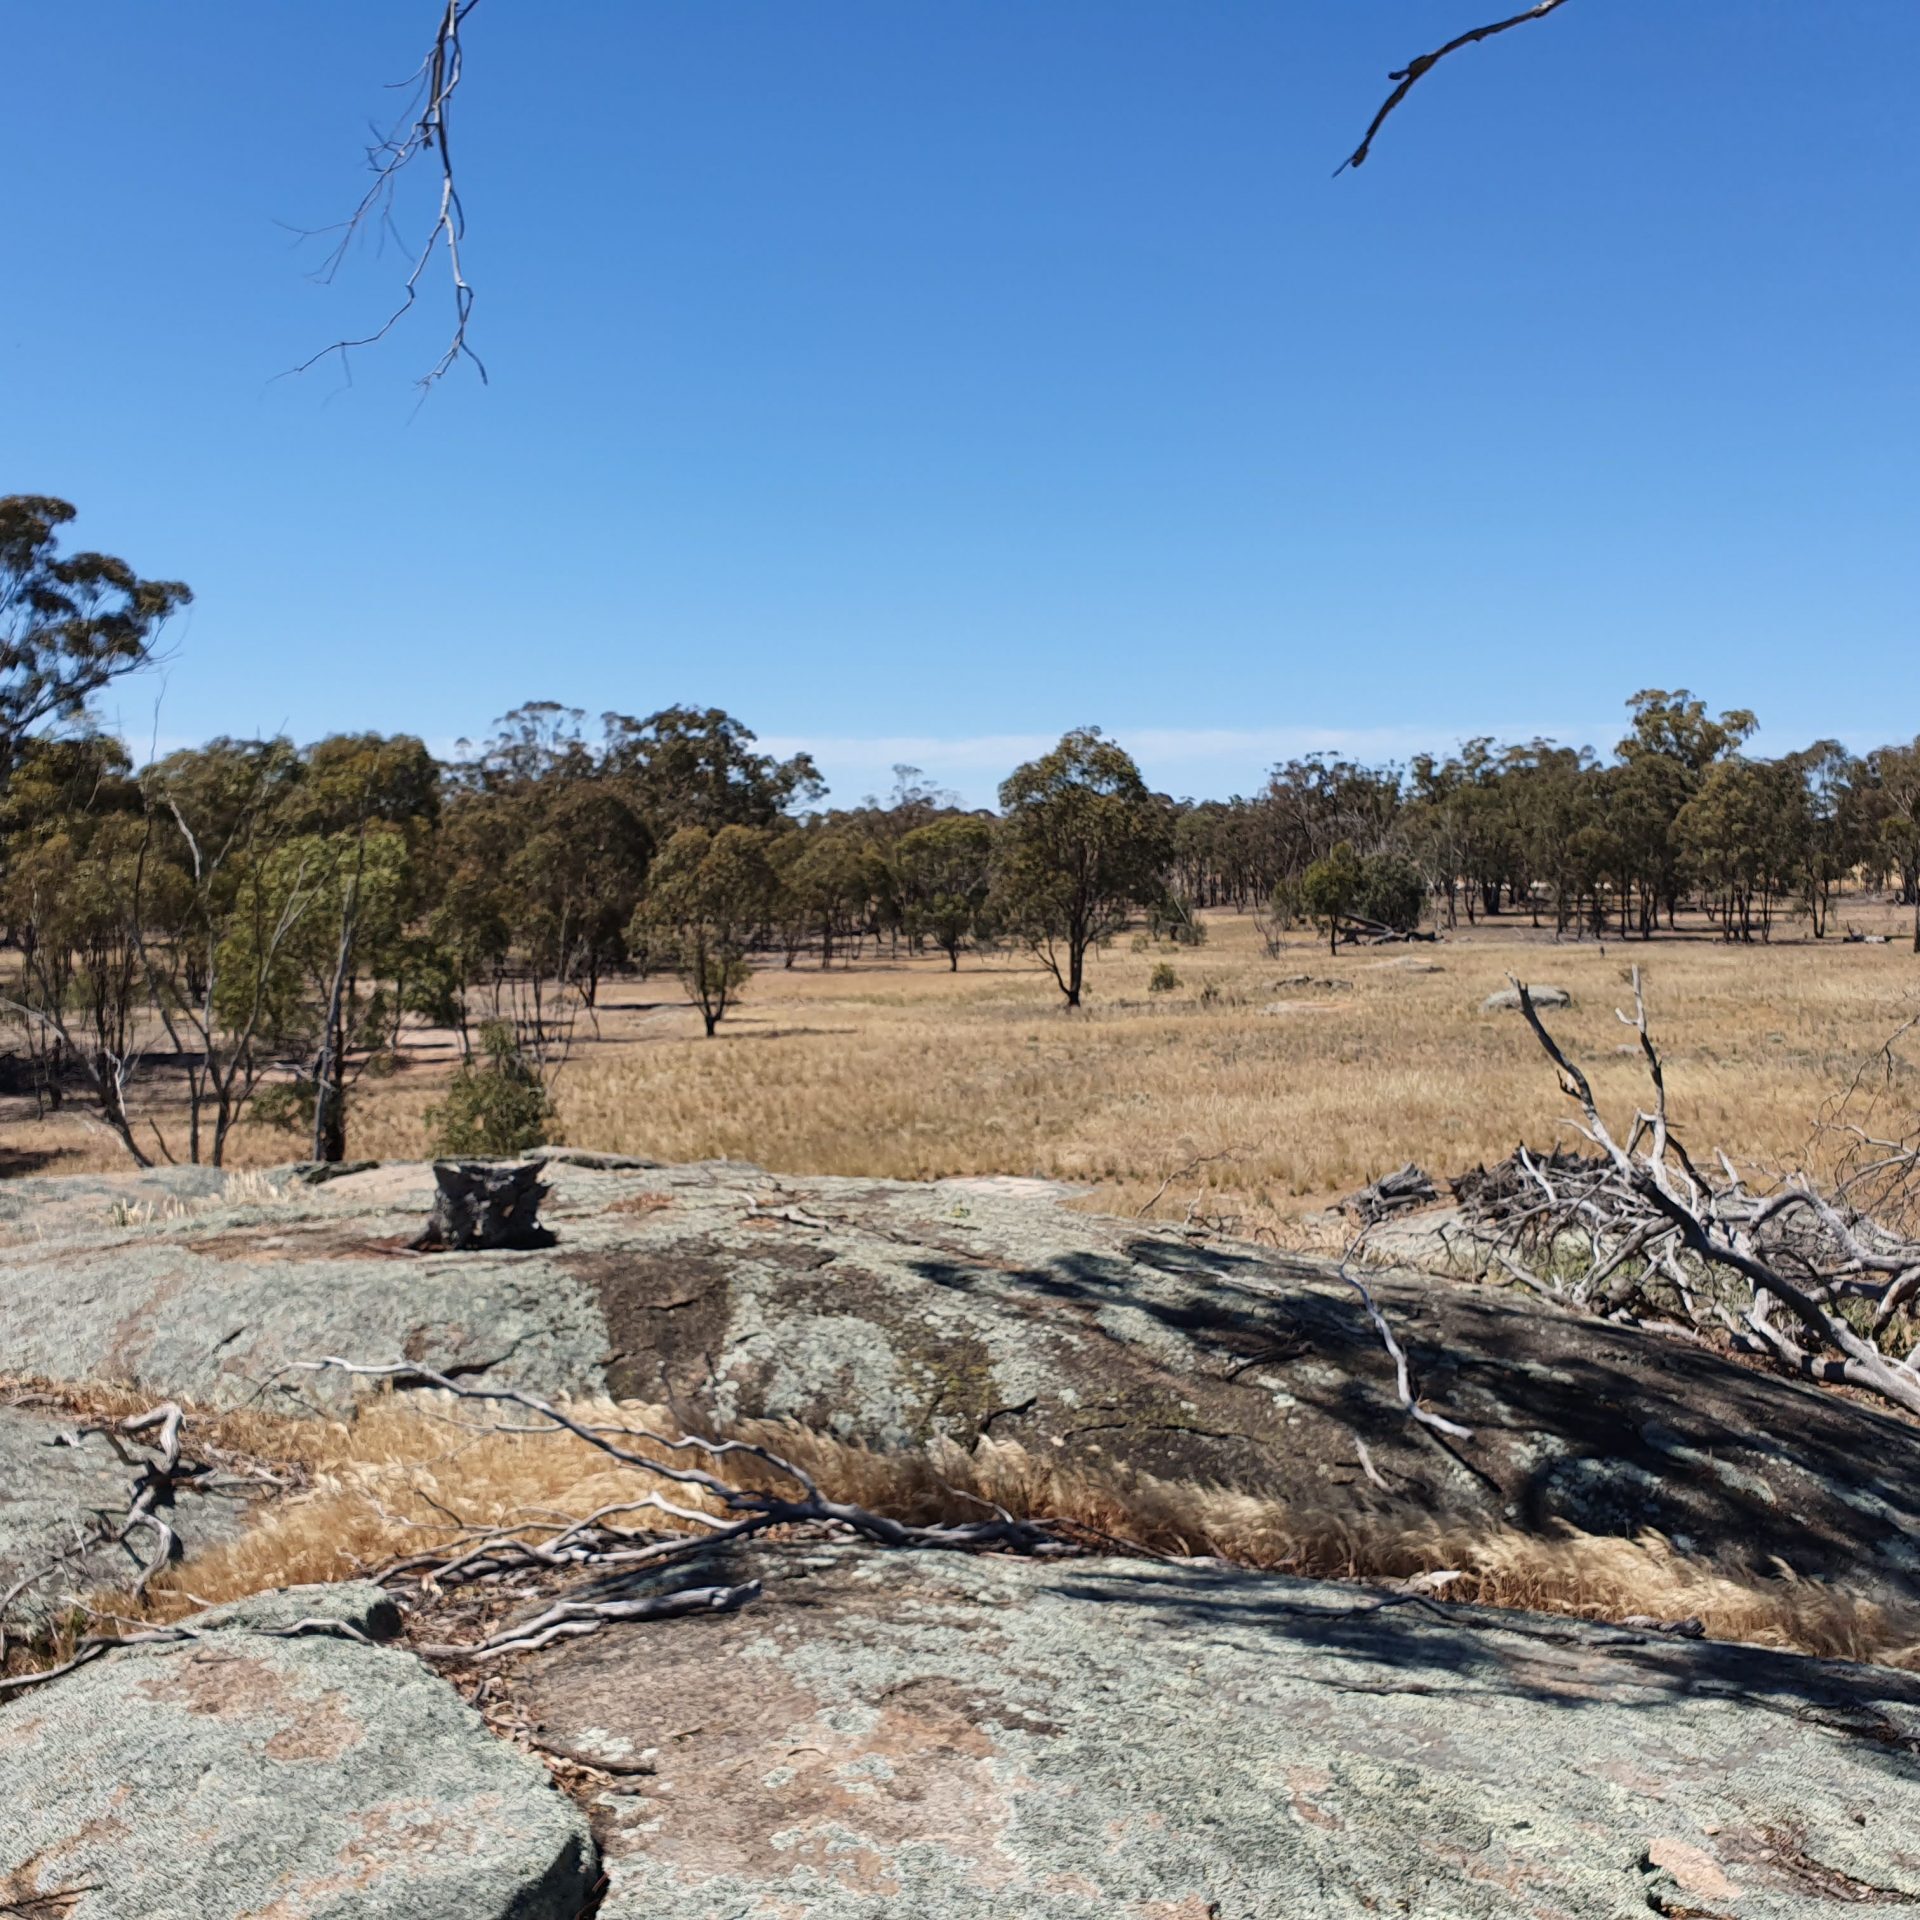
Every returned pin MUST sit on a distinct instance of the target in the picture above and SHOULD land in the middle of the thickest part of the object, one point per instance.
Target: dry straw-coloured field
(1291, 1090)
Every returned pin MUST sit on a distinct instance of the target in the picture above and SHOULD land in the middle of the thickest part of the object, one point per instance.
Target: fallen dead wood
(1392, 1193)
(732, 1515)
(159, 1472)
(1640, 1228)
(91, 1646)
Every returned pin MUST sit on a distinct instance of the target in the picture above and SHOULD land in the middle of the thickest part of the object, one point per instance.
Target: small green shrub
(1163, 979)
(495, 1104)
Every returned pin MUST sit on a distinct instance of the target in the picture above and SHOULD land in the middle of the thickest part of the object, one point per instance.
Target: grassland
(1291, 1078)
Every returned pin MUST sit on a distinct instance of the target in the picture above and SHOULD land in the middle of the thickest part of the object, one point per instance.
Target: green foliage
(945, 871)
(286, 1105)
(827, 882)
(1163, 979)
(1081, 844)
(1330, 888)
(710, 893)
(1392, 893)
(1382, 888)
(495, 1105)
(694, 767)
(69, 623)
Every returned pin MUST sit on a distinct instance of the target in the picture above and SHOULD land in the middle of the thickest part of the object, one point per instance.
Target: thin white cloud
(1203, 761)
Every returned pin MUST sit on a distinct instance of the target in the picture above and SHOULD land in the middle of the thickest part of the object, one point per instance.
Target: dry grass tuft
(411, 1474)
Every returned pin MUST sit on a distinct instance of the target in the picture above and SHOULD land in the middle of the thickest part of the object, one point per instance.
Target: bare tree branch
(744, 1512)
(423, 131)
(1423, 64)
(1403, 1376)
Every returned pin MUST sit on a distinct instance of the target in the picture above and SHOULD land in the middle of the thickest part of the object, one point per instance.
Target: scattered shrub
(1163, 979)
(495, 1104)
(1391, 892)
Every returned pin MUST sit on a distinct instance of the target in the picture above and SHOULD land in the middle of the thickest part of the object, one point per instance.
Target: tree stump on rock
(485, 1203)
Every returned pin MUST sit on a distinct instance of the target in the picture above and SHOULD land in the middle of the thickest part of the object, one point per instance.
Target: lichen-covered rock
(60, 1505)
(249, 1775)
(894, 1313)
(968, 1739)
(211, 1302)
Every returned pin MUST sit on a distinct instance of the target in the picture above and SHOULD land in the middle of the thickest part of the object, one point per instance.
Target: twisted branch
(424, 130)
(745, 1512)
(1422, 64)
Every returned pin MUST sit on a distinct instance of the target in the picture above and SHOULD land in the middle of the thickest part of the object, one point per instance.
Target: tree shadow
(1575, 1421)
(1399, 1644)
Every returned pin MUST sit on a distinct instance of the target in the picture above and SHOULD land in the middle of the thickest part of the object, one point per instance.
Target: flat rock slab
(1507, 999)
(210, 1301)
(59, 1505)
(893, 1313)
(247, 1775)
(967, 1739)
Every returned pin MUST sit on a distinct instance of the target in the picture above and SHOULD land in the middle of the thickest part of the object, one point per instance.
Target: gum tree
(1082, 843)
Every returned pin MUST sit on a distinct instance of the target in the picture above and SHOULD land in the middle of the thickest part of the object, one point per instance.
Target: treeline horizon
(255, 925)
(1677, 813)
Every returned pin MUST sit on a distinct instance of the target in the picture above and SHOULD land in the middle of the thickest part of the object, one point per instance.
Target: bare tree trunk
(329, 1083)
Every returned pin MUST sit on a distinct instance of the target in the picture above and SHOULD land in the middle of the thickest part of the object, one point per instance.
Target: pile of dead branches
(636, 1563)
(637, 1571)
(1496, 1195)
(1868, 1135)
(150, 1446)
(1640, 1228)
(1392, 1193)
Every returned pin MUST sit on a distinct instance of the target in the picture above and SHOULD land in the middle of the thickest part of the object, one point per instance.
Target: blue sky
(917, 380)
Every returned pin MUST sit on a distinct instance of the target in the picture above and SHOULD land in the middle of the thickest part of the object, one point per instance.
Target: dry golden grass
(397, 1479)
(903, 1069)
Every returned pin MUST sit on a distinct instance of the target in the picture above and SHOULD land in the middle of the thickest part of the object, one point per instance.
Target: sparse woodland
(258, 925)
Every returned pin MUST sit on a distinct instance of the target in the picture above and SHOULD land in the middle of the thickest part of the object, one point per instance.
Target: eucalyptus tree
(1082, 843)
(945, 872)
(70, 623)
(707, 898)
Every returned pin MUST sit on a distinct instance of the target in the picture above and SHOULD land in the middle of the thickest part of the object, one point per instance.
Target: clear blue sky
(917, 380)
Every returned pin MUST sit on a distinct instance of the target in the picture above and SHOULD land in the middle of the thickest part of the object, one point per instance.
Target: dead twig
(91, 1646)
(423, 131)
(1180, 1173)
(1416, 69)
(1403, 1373)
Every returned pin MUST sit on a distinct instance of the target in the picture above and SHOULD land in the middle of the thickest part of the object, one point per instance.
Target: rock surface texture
(893, 1313)
(963, 1739)
(253, 1774)
(1507, 999)
(61, 1505)
(931, 1734)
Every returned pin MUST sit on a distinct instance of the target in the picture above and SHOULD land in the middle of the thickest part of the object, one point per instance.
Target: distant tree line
(264, 921)
(1679, 817)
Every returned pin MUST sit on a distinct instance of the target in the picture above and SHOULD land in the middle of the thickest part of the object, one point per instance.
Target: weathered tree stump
(485, 1203)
